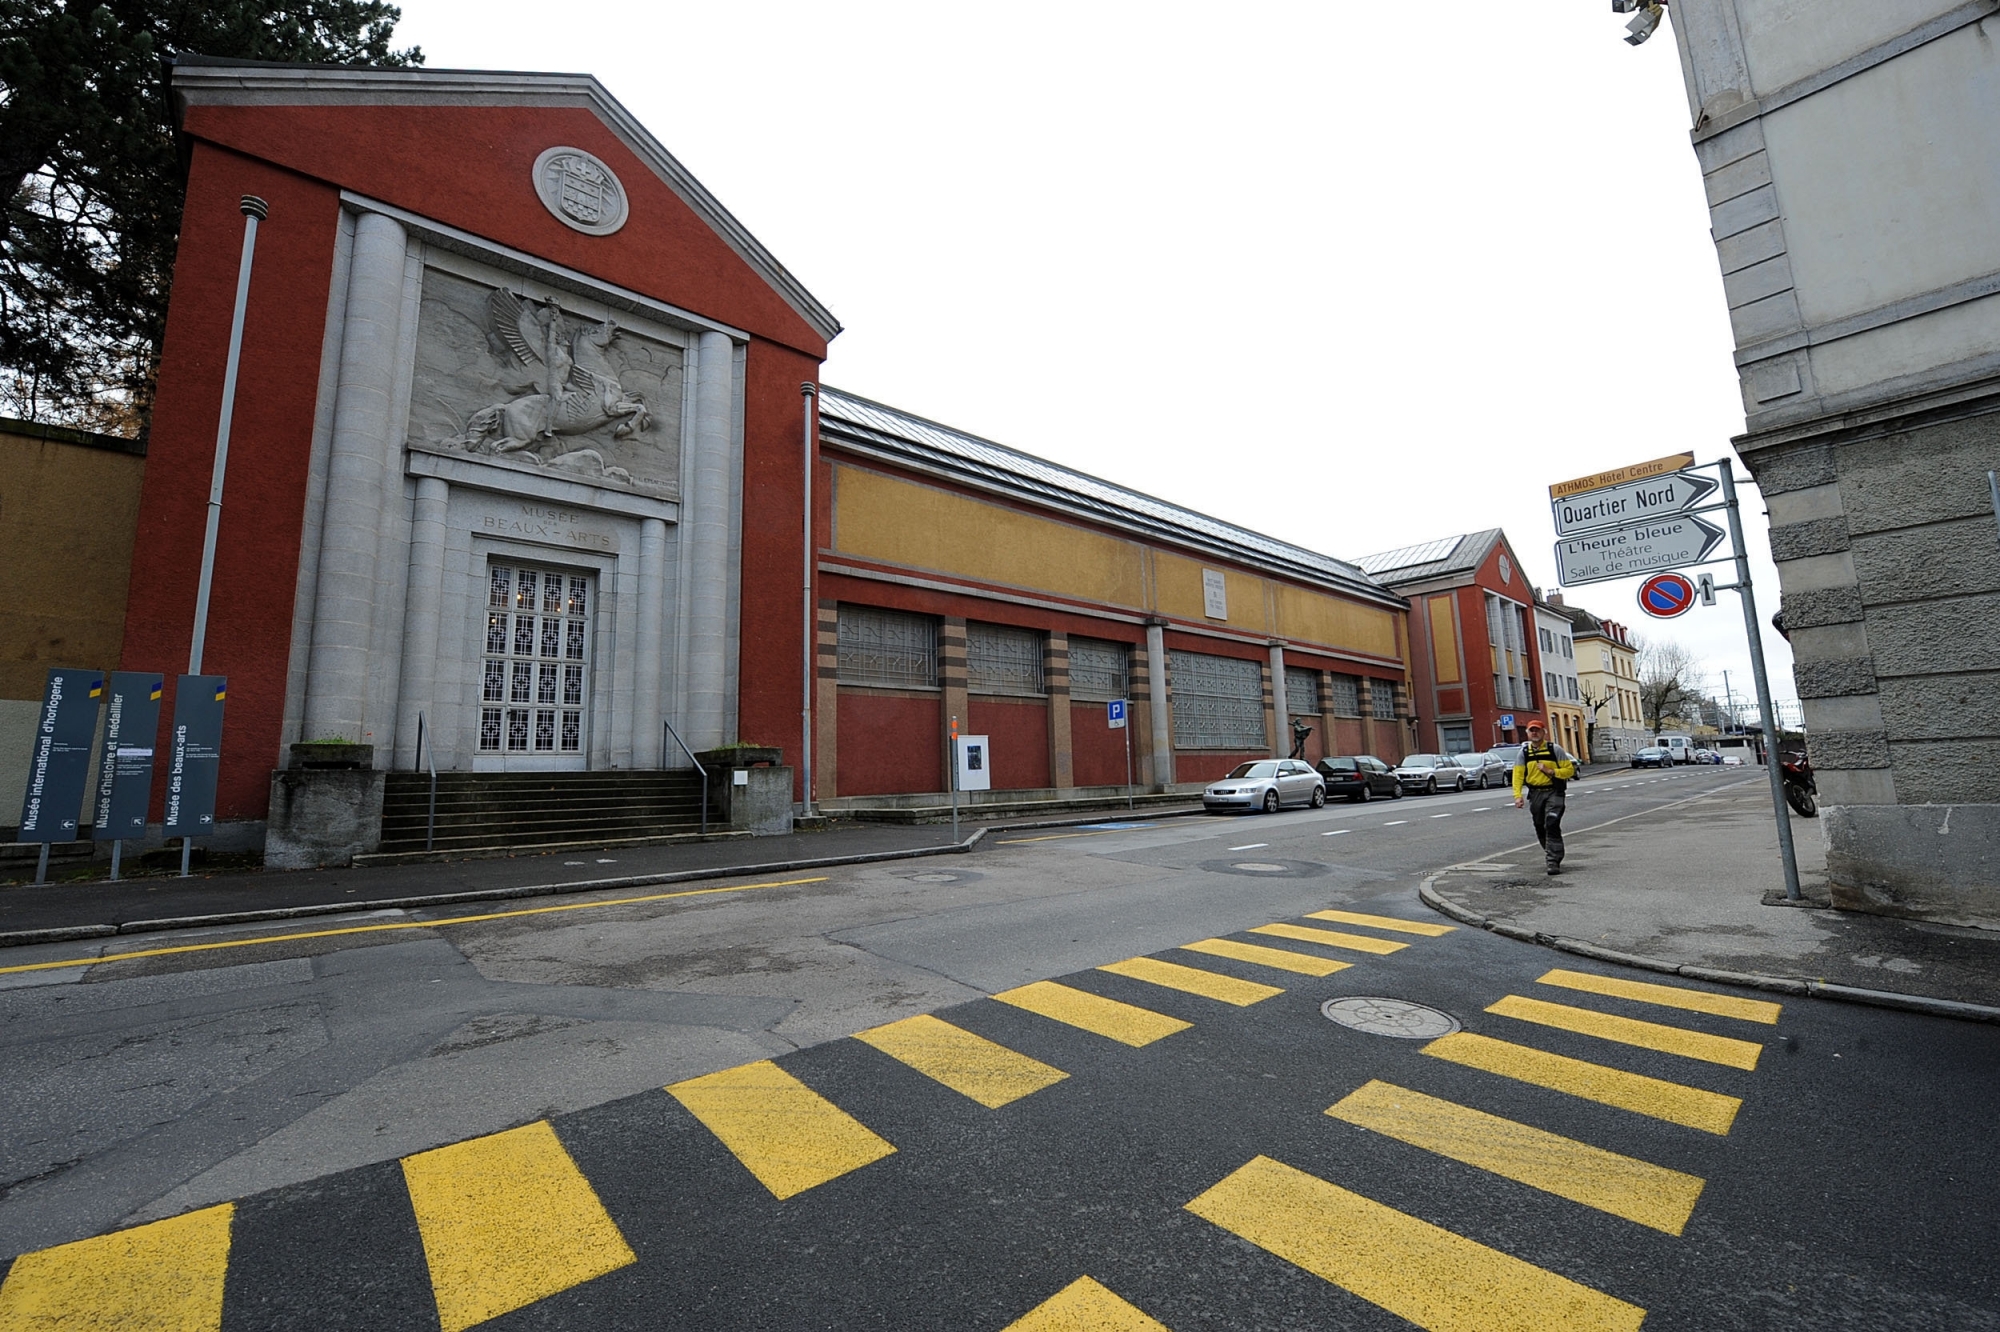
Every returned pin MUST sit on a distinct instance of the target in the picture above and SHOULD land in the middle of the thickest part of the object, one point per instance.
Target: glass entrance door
(535, 671)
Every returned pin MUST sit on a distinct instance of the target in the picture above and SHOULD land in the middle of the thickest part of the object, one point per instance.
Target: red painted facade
(1097, 753)
(1472, 699)
(1018, 730)
(890, 742)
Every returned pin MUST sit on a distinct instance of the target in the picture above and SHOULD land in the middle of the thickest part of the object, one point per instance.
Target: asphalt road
(654, 1114)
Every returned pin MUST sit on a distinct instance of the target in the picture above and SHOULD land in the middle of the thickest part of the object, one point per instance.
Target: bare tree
(1670, 681)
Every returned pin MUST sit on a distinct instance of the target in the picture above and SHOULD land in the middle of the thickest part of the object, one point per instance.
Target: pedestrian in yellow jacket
(1540, 780)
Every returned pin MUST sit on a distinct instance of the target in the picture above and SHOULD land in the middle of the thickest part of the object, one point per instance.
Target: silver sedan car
(1431, 772)
(1266, 784)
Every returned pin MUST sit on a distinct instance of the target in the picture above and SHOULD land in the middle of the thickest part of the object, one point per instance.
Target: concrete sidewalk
(1694, 887)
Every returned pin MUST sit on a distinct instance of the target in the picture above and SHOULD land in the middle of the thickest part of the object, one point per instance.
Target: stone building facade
(1851, 154)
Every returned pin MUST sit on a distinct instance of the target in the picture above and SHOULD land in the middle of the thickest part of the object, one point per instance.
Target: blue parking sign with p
(1114, 714)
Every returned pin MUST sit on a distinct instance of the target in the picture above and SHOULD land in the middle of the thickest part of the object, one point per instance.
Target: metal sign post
(1116, 713)
(1786, 851)
(954, 778)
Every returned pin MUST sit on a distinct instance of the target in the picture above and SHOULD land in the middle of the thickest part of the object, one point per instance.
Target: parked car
(1680, 748)
(1653, 757)
(1358, 778)
(1731, 760)
(1266, 784)
(1707, 756)
(1492, 768)
(1431, 772)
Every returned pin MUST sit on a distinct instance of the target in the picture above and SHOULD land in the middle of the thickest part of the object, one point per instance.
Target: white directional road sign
(1631, 501)
(1642, 548)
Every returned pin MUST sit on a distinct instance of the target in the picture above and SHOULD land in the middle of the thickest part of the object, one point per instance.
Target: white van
(1680, 746)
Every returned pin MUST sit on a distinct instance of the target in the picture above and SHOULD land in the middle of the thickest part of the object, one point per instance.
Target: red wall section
(1206, 767)
(769, 692)
(1347, 738)
(263, 506)
(1097, 753)
(471, 167)
(890, 744)
(1018, 729)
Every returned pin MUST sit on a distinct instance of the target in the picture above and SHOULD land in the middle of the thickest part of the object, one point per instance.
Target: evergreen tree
(92, 179)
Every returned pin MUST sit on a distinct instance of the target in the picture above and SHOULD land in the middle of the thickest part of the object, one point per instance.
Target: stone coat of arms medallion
(583, 193)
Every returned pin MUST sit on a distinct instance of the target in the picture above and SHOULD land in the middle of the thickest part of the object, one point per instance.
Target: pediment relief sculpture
(507, 376)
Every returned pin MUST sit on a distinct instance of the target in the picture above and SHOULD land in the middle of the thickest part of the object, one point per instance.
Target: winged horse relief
(574, 390)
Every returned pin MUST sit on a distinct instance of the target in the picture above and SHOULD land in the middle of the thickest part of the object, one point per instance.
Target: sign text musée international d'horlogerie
(194, 753)
(1632, 520)
(59, 762)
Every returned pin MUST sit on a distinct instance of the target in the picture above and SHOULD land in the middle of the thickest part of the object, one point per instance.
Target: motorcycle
(1801, 792)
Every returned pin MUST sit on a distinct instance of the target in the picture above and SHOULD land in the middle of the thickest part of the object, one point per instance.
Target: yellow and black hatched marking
(478, 1229)
(1446, 1282)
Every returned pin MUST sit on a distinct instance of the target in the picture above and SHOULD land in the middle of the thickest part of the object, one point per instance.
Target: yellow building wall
(886, 518)
(1444, 641)
(879, 517)
(68, 515)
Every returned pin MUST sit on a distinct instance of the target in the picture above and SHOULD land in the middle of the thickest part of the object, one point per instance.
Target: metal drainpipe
(810, 649)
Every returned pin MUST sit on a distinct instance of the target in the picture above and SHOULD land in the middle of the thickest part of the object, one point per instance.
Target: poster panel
(194, 755)
(59, 761)
(125, 765)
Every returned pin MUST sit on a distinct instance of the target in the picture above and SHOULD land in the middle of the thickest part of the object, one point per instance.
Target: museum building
(521, 441)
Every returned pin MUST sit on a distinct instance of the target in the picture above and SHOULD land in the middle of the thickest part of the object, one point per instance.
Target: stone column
(1326, 744)
(421, 610)
(1364, 693)
(953, 700)
(1055, 677)
(649, 737)
(826, 706)
(705, 515)
(363, 410)
(1278, 709)
(1156, 697)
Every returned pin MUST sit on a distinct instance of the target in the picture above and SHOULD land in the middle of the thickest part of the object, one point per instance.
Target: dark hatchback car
(1358, 777)
(1653, 758)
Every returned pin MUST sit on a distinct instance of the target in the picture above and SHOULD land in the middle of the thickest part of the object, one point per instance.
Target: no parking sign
(1663, 596)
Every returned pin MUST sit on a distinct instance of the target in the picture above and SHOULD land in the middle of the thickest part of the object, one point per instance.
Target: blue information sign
(1506, 721)
(1114, 714)
(194, 755)
(59, 764)
(125, 767)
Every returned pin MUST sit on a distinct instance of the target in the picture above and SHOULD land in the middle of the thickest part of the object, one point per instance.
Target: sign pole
(1127, 728)
(1786, 851)
(954, 777)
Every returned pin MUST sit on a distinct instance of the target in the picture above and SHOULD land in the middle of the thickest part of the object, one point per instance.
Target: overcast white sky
(1354, 275)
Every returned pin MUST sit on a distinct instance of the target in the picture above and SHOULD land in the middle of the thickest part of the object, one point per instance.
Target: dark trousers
(1546, 804)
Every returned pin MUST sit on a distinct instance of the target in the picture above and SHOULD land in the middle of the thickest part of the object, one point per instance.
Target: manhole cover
(933, 878)
(1389, 1017)
(1260, 866)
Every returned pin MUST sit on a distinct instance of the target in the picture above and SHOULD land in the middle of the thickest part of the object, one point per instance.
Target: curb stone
(1815, 989)
(21, 938)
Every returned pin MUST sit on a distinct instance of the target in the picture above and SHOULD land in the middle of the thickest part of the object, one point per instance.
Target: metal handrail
(430, 829)
(697, 767)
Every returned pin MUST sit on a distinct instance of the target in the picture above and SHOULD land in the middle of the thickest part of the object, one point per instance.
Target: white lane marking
(1250, 847)
(1393, 822)
(1440, 816)
(1337, 832)
(1482, 809)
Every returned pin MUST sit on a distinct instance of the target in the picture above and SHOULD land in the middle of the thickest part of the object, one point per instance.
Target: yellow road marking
(1057, 837)
(1192, 980)
(1360, 943)
(1669, 996)
(1084, 1306)
(163, 1277)
(785, 1133)
(1284, 959)
(1438, 1280)
(1636, 1190)
(1126, 1023)
(1423, 927)
(1631, 1031)
(987, 1071)
(1691, 1107)
(508, 1220)
(395, 925)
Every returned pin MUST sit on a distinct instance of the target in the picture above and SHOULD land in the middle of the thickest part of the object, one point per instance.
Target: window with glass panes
(1384, 695)
(1218, 702)
(1346, 696)
(885, 647)
(1301, 692)
(1003, 659)
(1099, 671)
(534, 673)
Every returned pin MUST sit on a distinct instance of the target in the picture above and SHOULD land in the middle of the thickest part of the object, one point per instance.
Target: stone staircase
(482, 812)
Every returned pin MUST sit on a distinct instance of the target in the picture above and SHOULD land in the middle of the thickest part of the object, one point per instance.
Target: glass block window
(885, 647)
(533, 675)
(1002, 659)
(1218, 702)
(1384, 697)
(1346, 696)
(1099, 671)
(1301, 692)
